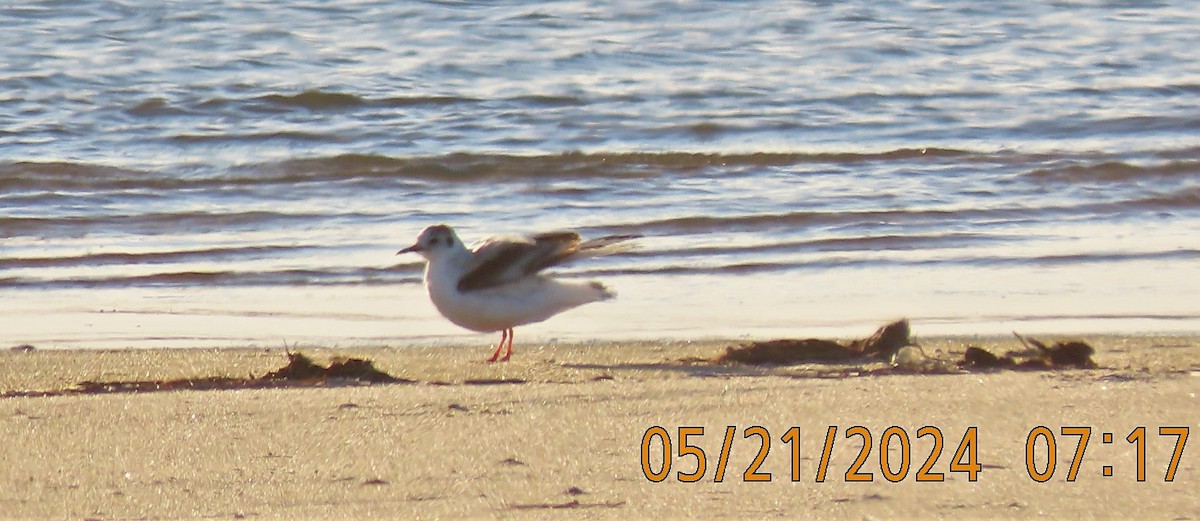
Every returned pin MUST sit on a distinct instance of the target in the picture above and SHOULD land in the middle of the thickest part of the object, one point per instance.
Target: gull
(498, 284)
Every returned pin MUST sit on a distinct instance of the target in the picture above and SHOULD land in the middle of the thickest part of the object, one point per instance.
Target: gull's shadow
(687, 367)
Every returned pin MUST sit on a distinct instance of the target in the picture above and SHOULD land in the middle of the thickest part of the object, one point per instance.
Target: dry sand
(557, 433)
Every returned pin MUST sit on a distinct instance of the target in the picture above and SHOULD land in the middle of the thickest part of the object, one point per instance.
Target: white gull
(498, 285)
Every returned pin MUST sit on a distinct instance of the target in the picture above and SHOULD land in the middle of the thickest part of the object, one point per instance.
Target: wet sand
(558, 433)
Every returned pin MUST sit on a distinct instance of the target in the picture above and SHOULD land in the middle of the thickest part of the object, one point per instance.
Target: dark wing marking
(503, 260)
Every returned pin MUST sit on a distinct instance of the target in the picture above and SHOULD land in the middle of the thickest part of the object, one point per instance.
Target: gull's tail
(607, 245)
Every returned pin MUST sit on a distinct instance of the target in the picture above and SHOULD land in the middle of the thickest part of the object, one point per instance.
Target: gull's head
(435, 242)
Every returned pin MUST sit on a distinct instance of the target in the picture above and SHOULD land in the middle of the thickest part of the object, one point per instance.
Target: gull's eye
(433, 241)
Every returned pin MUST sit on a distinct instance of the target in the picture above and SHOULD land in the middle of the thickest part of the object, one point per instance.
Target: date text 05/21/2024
(896, 453)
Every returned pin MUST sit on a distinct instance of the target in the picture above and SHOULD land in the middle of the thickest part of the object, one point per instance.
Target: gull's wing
(500, 260)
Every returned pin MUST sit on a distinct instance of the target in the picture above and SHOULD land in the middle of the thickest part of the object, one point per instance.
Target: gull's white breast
(524, 301)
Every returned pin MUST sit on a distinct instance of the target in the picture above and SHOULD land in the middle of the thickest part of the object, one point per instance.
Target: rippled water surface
(227, 173)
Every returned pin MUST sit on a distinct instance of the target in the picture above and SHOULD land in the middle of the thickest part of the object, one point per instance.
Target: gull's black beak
(410, 249)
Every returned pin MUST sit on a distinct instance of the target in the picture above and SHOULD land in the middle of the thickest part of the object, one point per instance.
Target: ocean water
(222, 173)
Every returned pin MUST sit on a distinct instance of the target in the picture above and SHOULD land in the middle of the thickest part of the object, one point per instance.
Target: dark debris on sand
(887, 342)
(882, 345)
(302, 368)
(300, 371)
(1073, 354)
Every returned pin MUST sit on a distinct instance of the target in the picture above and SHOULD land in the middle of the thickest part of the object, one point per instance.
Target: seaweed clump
(1074, 354)
(882, 345)
(300, 371)
(891, 343)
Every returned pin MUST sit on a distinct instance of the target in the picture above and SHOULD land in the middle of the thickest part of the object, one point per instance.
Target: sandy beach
(194, 194)
(559, 431)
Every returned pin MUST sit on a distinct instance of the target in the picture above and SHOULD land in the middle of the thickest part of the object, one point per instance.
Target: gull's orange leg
(504, 335)
(508, 353)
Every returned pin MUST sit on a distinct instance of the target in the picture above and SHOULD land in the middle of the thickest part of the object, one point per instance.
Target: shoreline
(559, 429)
(539, 335)
(646, 309)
